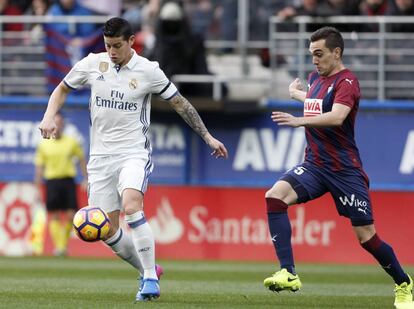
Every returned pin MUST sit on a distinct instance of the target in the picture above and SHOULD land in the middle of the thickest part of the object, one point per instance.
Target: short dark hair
(116, 27)
(332, 37)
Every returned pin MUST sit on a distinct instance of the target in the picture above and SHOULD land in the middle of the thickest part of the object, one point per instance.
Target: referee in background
(55, 162)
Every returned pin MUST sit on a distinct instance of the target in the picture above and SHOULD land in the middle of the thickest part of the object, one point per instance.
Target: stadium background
(201, 208)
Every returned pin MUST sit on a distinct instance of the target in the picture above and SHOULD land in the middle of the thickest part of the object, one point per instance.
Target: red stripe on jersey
(313, 147)
(353, 157)
(336, 161)
(349, 145)
(333, 158)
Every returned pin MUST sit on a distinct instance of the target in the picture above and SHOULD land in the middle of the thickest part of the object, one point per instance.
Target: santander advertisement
(223, 223)
(231, 224)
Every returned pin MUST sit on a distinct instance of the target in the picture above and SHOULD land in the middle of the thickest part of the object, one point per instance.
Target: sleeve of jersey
(78, 75)
(346, 93)
(162, 85)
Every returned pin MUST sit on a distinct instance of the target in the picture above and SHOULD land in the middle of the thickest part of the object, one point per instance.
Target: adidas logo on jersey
(100, 77)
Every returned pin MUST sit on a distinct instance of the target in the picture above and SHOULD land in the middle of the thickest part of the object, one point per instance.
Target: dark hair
(116, 27)
(332, 37)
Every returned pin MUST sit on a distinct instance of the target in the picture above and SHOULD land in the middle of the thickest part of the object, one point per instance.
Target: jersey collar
(132, 62)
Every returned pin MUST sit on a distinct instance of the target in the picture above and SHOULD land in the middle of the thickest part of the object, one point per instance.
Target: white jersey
(120, 102)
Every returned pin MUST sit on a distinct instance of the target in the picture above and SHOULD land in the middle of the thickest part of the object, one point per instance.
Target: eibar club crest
(133, 84)
(103, 66)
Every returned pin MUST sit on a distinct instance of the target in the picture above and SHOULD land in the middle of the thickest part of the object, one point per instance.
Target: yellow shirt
(57, 156)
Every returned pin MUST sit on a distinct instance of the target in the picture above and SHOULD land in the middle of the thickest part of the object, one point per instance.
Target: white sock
(121, 244)
(143, 239)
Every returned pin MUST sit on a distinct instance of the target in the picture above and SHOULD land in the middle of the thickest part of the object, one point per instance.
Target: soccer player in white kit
(120, 151)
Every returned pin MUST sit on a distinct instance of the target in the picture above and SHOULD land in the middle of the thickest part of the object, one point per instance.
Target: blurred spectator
(141, 14)
(201, 15)
(67, 43)
(22, 4)
(7, 8)
(133, 13)
(340, 7)
(259, 13)
(373, 8)
(105, 7)
(402, 8)
(178, 50)
(36, 8)
(34, 36)
(69, 8)
(227, 13)
(305, 8)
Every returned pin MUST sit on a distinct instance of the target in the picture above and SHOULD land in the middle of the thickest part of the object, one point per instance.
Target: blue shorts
(349, 189)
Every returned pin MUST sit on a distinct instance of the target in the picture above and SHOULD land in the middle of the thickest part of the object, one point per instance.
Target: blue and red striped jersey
(332, 148)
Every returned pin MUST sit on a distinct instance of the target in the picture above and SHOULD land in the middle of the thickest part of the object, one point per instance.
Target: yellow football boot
(283, 281)
(404, 295)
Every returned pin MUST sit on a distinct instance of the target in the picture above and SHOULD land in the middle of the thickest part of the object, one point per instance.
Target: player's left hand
(219, 150)
(285, 119)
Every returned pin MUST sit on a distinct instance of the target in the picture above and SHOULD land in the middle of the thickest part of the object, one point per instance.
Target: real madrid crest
(103, 67)
(133, 84)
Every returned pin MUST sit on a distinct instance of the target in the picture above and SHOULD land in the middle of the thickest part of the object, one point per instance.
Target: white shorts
(109, 176)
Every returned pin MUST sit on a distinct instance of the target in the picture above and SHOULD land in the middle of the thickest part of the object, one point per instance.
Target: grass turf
(90, 283)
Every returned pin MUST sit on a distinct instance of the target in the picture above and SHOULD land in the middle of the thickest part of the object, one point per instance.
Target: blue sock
(280, 232)
(385, 255)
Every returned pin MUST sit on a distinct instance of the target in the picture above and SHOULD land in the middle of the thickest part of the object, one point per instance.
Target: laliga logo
(165, 226)
(18, 203)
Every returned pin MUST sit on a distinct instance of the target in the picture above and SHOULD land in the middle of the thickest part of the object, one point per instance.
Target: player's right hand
(48, 128)
(295, 85)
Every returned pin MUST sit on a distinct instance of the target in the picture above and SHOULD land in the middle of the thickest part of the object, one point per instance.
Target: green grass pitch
(111, 283)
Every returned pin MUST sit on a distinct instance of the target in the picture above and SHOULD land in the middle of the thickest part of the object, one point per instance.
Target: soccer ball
(91, 223)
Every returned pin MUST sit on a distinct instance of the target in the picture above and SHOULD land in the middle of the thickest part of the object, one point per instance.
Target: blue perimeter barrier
(387, 105)
(259, 151)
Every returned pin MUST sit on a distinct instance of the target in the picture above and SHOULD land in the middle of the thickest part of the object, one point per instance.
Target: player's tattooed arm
(189, 114)
(193, 119)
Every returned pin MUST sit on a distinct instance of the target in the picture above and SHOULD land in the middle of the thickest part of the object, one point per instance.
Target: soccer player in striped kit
(120, 152)
(332, 164)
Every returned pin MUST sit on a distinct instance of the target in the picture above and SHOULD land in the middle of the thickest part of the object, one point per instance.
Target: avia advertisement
(259, 151)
